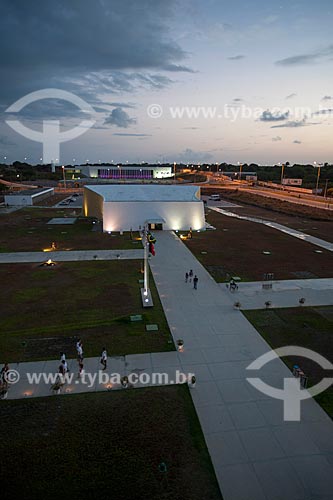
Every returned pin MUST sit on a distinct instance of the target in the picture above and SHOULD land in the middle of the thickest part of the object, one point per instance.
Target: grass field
(236, 249)
(106, 446)
(306, 327)
(44, 309)
(27, 230)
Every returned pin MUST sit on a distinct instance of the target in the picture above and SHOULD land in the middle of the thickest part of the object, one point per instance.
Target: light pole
(282, 173)
(64, 176)
(174, 171)
(240, 170)
(145, 291)
(326, 185)
(317, 165)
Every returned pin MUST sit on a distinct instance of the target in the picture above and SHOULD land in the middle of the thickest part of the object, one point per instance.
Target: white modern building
(125, 207)
(124, 172)
(28, 197)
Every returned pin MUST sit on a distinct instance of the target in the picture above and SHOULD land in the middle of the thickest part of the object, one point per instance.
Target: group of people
(63, 367)
(189, 278)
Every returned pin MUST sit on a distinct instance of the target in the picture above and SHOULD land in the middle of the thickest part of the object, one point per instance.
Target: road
(302, 199)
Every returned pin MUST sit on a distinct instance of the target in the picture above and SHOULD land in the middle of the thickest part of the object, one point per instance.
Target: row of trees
(20, 171)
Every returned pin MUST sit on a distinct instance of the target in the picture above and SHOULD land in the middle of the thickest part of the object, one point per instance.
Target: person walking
(186, 277)
(190, 275)
(80, 352)
(78, 344)
(62, 357)
(104, 358)
(195, 282)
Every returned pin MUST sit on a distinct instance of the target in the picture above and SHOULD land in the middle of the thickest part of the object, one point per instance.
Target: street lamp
(282, 173)
(317, 165)
(240, 170)
(63, 174)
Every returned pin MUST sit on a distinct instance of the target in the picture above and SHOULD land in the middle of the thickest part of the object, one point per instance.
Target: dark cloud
(328, 111)
(238, 99)
(268, 116)
(119, 118)
(327, 98)
(311, 58)
(190, 156)
(291, 96)
(131, 135)
(295, 124)
(297, 142)
(122, 104)
(277, 138)
(236, 58)
(86, 46)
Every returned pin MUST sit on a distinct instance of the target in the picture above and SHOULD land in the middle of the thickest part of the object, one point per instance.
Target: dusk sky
(257, 74)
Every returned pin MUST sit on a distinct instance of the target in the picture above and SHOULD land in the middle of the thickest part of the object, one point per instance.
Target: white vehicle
(215, 197)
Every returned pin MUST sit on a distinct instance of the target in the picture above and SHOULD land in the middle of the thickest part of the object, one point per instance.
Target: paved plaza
(256, 454)
(286, 293)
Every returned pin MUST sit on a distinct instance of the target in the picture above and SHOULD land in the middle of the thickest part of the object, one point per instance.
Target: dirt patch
(236, 249)
(319, 229)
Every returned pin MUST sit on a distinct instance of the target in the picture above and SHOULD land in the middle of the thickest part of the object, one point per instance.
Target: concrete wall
(158, 172)
(92, 204)
(20, 199)
(181, 215)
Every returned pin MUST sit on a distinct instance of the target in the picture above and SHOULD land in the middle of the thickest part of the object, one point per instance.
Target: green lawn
(106, 446)
(27, 230)
(43, 310)
(306, 327)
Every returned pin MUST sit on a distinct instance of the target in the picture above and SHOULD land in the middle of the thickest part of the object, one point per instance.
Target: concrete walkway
(256, 454)
(284, 229)
(93, 378)
(286, 293)
(70, 256)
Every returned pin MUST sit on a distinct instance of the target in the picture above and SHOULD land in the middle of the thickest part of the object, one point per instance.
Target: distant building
(28, 197)
(292, 182)
(124, 172)
(125, 207)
